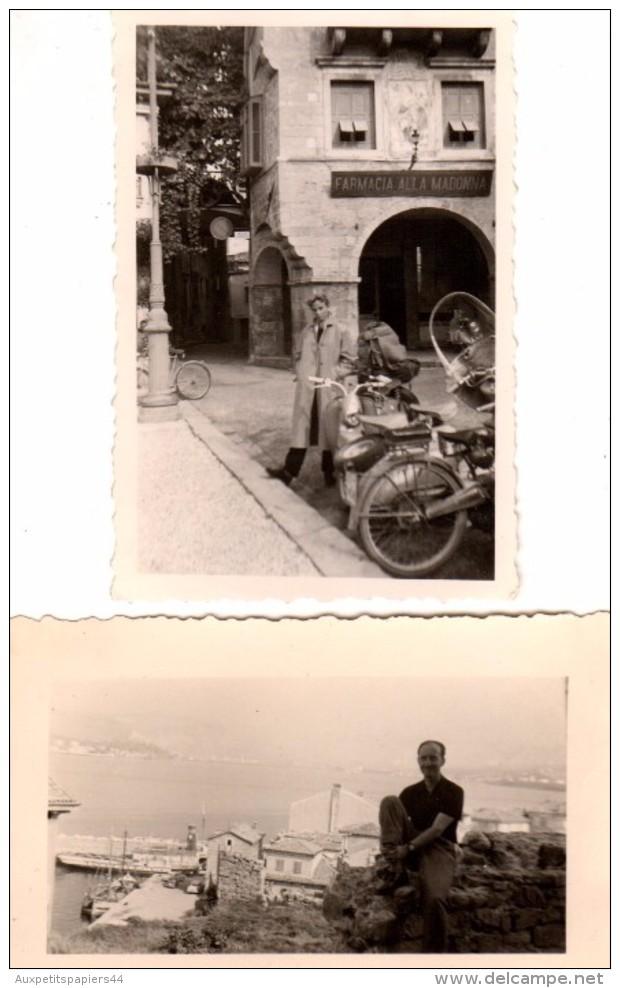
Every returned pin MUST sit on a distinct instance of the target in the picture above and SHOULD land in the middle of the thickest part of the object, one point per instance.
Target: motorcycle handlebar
(373, 382)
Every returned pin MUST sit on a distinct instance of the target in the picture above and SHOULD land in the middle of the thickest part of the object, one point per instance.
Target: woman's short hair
(319, 297)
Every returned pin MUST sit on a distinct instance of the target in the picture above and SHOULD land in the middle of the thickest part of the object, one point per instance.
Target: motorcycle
(359, 421)
(416, 500)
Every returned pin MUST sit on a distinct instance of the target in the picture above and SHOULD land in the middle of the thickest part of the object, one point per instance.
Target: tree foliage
(200, 124)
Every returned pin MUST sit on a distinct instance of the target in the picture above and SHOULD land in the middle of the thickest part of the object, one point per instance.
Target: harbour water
(160, 797)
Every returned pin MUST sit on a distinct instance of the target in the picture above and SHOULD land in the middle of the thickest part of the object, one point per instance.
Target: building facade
(331, 811)
(296, 867)
(244, 841)
(369, 155)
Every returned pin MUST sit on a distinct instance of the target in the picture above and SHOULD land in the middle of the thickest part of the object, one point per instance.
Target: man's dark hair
(319, 297)
(441, 747)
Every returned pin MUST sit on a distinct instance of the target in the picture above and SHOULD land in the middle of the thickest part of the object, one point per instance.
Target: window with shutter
(353, 115)
(463, 114)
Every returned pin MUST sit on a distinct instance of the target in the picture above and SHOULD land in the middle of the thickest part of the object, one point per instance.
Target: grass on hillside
(235, 928)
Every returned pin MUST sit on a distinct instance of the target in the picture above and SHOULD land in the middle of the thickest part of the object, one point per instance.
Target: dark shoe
(279, 473)
(330, 480)
(392, 881)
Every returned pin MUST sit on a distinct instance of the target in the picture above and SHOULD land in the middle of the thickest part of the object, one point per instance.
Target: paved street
(187, 512)
(252, 405)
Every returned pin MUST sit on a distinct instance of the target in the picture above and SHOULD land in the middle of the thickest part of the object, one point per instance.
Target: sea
(161, 797)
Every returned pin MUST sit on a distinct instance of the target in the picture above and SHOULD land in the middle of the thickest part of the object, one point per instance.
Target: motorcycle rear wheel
(393, 526)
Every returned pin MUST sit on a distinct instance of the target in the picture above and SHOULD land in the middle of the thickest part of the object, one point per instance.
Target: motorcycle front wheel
(393, 524)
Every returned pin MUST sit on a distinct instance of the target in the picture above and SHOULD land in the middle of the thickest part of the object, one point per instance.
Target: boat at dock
(101, 896)
(141, 856)
(106, 893)
(139, 865)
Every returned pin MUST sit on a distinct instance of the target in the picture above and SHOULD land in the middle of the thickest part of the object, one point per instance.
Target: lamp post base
(158, 408)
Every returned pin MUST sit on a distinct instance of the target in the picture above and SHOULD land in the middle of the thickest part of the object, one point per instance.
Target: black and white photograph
(312, 263)
(203, 801)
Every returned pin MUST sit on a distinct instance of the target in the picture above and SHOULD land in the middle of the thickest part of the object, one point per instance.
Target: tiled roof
(249, 835)
(369, 844)
(499, 816)
(345, 794)
(58, 801)
(362, 830)
(327, 842)
(324, 871)
(292, 845)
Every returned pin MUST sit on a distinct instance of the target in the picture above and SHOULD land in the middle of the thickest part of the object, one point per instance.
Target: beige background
(46, 651)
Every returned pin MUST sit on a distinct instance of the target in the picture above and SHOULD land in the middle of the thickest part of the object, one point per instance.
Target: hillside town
(325, 832)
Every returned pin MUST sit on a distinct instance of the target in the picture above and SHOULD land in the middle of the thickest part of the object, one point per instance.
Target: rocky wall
(509, 896)
(239, 877)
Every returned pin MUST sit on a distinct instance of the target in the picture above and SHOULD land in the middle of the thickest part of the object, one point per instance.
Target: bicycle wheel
(193, 380)
(393, 525)
(142, 376)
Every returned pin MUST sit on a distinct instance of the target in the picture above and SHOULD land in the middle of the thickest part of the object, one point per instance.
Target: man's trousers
(435, 864)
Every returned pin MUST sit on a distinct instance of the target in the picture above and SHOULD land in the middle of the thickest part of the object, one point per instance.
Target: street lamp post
(161, 401)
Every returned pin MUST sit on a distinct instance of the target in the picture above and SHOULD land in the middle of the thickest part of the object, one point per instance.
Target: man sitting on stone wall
(418, 832)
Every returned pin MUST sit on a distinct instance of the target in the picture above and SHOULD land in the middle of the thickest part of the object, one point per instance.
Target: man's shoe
(280, 473)
(392, 881)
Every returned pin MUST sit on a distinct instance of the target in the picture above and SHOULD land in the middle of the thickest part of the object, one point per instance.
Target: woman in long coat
(324, 349)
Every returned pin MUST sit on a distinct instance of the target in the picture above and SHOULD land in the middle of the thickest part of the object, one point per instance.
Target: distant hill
(87, 746)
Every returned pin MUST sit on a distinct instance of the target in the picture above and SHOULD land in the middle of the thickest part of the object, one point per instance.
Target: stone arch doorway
(271, 306)
(414, 258)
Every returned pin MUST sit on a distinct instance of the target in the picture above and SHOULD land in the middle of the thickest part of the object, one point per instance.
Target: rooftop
(248, 834)
(58, 801)
(293, 845)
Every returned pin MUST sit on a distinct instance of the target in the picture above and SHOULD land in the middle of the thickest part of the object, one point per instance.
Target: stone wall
(239, 878)
(509, 897)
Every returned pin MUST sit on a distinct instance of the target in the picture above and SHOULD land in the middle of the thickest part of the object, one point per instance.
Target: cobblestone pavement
(253, 405)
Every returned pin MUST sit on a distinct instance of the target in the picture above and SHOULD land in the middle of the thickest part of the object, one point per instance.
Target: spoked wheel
(193, 380)
(143, 377)
(393, 524)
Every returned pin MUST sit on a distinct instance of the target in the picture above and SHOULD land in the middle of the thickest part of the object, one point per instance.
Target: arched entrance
(271, 305)
(411, 260)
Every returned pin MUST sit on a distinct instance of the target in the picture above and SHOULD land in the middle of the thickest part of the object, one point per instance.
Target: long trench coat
(335, 356)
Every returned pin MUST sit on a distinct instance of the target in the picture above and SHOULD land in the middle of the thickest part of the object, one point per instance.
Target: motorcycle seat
(457, 435)
(385, 423)
(396, 427)
(430, 413)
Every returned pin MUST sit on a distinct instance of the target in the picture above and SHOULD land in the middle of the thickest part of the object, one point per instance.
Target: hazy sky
(371, 721)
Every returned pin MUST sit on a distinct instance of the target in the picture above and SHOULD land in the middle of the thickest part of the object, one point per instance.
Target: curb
(332, 553)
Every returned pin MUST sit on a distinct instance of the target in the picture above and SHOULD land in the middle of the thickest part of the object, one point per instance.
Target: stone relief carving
(408, 111)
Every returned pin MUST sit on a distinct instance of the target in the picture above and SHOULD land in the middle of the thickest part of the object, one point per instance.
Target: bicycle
(191, 379)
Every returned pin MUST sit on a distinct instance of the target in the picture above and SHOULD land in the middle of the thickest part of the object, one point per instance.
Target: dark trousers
(295, 458)
(435, 864)
(296, 454)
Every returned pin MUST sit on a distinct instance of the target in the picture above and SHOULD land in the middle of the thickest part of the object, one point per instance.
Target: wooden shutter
(463, 114)
(353, 115)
